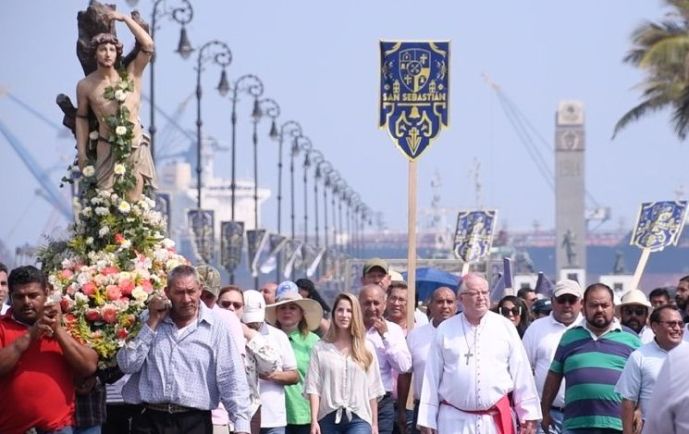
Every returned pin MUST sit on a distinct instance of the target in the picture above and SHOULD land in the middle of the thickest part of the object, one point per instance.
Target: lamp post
(299, 142)
(316, 160)
(222, 56)
(308, 149)
(182, 15)
(326, 169)
(253, 86)
(269, 107)
(354, 203)
(293, 130)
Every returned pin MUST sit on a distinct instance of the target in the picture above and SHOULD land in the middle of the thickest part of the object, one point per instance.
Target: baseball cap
(567, 286)
(376, 262)
(254, 307)
(396, 276)
(209, 279)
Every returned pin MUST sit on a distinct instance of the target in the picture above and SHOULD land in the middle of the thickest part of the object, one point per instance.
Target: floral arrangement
(117, 255)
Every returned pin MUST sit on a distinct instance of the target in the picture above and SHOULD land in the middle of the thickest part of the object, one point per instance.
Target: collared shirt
(640, 374)
(591, 365)
(669, 406)
(419, 341)
(472, 367)
(646, 335)
(198, 368)
(392, 352)
(540, 342)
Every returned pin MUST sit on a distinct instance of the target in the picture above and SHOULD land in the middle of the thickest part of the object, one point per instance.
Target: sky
(319, 60)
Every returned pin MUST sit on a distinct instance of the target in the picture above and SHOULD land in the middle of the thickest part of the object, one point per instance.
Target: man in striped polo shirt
(591, 358)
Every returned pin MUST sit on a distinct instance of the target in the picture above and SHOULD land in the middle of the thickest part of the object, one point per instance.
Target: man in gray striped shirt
(182, 363)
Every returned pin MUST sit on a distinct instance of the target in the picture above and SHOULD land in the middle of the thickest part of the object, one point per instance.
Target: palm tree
(662, 51)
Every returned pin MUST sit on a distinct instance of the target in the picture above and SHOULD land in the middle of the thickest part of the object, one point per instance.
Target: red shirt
(39, 391)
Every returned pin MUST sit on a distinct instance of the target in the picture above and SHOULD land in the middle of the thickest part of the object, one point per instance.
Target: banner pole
(645, 253)
(411, 245)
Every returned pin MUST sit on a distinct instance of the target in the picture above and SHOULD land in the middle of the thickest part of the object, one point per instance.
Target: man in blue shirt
(183, 362)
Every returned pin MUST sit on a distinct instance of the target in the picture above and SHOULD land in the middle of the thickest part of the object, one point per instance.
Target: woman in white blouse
(343, 382)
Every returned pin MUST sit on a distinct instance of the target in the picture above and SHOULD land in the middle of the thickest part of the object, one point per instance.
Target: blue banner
(414, 92)
(659, 224)
(474, 234)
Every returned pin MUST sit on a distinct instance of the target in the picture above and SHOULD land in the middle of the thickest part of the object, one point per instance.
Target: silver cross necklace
(468, 354)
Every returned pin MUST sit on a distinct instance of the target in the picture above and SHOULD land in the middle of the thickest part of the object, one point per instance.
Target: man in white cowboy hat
(634, 311)
(298, 317)
(271, 385)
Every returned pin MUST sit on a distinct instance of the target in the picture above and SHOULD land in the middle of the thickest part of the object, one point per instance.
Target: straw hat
(288, 292)
(635, 296)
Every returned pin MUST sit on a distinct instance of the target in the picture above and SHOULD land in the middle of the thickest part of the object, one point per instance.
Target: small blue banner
(659, 224)
(474, 234)
(414, 92)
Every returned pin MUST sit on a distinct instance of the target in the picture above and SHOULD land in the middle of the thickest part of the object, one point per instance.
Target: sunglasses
(638, 311)
(568, 298)
(506, 311)
(235, 304)
(673, 324)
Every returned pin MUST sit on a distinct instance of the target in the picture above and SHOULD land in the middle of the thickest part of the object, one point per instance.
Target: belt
(169, 408)
(500, 412)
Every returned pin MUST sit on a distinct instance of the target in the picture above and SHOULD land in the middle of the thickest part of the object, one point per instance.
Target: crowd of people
(210, 358)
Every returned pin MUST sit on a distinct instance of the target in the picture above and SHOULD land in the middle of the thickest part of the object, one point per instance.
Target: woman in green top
(297, 317)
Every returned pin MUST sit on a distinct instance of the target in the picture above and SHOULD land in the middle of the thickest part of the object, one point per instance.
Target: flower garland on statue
(117, 255)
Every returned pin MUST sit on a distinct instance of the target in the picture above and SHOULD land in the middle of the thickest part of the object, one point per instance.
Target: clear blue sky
(319, 61)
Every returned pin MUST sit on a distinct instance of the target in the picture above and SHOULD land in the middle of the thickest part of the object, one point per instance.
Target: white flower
(119, 169)
(67, 263)
(120, 95)
(96, 200)
(168, 243)
(87, 212)
(125, 245)
(89, 241)
(139, 294)
(80, 297)
(103, 231)
(105, 194)
(124, 207)
(93, 135)
(114, 197)
(121, 130)
(101, 210)
(88, 171)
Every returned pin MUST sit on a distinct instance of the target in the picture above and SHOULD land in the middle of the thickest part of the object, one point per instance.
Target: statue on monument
(111, 143)
(568, 243)
(618, 267)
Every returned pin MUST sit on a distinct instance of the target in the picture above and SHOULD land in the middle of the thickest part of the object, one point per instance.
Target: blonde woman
(343, 382)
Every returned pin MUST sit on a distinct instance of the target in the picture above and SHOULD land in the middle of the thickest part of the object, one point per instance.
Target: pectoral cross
(467, 355)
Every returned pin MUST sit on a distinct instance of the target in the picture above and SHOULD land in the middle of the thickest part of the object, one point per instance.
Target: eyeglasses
(475, 294)
(673, 324)
(638, 311)
(235, 304)
(515, 311)
(567, 298)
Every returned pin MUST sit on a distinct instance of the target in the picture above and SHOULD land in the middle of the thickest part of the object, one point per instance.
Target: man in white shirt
(668, 411)
(443, 305)
(272, 385)
(634, 310)
(391, 349)
(640, 373)
(476, 360)
(543, 336)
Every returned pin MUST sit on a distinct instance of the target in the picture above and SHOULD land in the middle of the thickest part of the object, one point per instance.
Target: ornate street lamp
(300, 142)
(253, 86)
(316, 160)
(220, 54)
(182, 14)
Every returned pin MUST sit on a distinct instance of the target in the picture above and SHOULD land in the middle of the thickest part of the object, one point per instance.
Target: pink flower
(70, 290)
(66, 304)
(113, 292)
(127, 286)
(147, 286)
(119, 238)
(88, 288)
(109, 313)
(122, 333)
(92, 315)
(109, 270)
(66, 273)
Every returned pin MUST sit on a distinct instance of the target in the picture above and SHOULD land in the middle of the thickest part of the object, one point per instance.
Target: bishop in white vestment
(477, 372)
